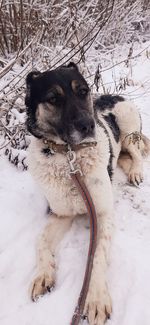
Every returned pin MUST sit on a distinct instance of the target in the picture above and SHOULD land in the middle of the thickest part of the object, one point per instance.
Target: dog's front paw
(42, 284)
(135, 176)
(98, 307)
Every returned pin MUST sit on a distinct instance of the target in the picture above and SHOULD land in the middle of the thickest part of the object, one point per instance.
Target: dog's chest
(52, 172)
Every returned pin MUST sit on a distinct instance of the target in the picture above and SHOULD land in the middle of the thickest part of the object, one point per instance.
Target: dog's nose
(86, 126)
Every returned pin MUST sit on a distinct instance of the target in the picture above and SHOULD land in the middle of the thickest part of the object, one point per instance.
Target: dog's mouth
(76, 137)
(72, 133)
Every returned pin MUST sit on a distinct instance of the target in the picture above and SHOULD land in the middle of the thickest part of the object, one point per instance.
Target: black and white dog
(61, 111)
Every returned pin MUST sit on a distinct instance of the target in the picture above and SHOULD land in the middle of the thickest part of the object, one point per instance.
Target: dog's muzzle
(79, 130)
(85, 126)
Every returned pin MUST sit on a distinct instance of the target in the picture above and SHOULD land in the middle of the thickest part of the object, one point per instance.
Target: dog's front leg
(51, 237)
(98, 303)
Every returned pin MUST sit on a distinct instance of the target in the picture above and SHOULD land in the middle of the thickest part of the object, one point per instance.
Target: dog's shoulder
(104, 107)
(107, 102)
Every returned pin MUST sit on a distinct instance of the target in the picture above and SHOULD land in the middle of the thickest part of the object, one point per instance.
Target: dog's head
(59, 105)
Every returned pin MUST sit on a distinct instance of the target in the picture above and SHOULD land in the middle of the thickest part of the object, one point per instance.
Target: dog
(61, 113)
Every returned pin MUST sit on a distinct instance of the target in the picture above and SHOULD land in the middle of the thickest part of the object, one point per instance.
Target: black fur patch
(47, 152)
(111, 121)
(109, 167)
(107, 102)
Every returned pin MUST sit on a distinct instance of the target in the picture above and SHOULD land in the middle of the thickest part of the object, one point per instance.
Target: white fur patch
(76, 137)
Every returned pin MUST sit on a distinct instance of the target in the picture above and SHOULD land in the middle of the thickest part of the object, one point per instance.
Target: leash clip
(71, 156)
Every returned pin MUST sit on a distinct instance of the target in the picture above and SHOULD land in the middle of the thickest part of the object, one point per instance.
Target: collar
(63, 148)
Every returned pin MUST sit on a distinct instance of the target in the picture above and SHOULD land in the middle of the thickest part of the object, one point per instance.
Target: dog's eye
(83, 92)
(51, 98)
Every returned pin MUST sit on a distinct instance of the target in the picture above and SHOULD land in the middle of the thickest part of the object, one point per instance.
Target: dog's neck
(63, 148)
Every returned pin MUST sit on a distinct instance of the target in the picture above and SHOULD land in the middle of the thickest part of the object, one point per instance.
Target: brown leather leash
(77, 177)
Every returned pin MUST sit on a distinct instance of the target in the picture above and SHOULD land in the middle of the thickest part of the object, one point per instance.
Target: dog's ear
(32, 76)
(29, 80)
(73, 65)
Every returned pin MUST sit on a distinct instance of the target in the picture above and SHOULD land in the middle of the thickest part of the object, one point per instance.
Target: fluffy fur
(116, 138)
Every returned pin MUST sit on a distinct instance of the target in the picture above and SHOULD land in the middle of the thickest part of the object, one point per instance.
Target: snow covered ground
(23, 216)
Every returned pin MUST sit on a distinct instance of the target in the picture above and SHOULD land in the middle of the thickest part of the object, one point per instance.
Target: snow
(24, 215)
